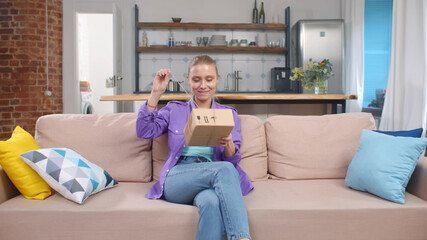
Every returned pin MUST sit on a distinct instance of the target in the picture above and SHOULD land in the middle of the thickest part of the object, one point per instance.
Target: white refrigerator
(318, 40)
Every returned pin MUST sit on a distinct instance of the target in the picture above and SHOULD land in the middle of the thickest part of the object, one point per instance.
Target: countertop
(235, 96)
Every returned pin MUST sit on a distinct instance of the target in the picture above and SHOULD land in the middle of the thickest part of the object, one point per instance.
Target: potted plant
(315, 75)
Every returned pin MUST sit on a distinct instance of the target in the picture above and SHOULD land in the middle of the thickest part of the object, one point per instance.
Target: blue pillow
(410, 133)
(383, 164)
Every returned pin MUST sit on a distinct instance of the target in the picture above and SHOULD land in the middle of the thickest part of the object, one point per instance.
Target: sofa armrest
(7, 189)
(418, 183)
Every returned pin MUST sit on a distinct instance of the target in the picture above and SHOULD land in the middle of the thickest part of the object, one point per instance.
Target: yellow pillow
(25, 179)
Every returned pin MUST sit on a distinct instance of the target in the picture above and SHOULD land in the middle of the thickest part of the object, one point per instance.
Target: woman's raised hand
(160, 84)
(161, 80)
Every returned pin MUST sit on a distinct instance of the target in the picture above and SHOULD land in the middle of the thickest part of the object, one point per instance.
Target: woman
(207, 177)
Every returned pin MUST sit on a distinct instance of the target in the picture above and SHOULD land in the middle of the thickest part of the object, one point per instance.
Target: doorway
(90, 48)
(94, 60)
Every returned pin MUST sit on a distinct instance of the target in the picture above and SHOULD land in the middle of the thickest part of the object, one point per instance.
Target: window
(377, 44)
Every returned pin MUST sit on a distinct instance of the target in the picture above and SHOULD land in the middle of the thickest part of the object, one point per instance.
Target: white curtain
(353, 14)
(406, 94)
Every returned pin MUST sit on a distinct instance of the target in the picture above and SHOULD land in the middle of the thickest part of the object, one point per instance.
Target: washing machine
(86, 98)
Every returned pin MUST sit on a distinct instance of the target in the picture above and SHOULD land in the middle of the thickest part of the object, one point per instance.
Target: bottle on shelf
(255, 14)
(144, 39)
(171, 40)
(262, 14)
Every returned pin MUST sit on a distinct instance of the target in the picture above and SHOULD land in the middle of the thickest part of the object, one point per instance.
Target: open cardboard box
(205, 127)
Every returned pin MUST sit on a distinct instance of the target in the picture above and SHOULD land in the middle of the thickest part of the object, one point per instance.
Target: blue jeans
(214, 187)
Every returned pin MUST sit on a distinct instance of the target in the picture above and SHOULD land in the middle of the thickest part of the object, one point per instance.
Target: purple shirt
(172, 119)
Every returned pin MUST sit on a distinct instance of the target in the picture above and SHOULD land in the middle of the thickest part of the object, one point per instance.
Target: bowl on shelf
(243, 42)
(234, 43)
(218, 41)
(176, 19)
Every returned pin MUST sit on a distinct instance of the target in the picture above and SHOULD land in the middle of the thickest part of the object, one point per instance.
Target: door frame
(70, 86)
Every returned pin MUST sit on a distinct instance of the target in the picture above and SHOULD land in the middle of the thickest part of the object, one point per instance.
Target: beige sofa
(297, 165)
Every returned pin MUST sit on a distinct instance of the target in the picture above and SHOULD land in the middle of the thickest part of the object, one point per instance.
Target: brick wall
(23, 63)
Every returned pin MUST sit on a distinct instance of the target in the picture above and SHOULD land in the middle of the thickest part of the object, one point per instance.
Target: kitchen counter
(250, 98)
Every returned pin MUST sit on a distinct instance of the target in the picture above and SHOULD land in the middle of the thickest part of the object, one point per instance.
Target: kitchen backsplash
(255, 67)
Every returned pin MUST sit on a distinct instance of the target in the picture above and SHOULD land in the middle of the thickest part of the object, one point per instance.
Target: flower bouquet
(315, 75)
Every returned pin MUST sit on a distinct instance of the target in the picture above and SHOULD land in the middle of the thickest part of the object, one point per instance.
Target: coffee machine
(281, 83)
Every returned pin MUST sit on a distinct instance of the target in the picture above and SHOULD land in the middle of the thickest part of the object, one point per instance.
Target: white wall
(236, 11)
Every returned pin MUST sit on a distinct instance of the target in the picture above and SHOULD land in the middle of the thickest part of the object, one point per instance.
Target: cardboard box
(205, 127)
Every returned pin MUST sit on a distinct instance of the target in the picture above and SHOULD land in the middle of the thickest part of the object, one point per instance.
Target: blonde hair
(202, 59)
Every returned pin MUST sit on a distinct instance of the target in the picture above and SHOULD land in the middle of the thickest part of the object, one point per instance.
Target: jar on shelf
(144, 42)
(171, 40)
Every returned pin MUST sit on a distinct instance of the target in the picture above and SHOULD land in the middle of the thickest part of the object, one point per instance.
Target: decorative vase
(321, 87)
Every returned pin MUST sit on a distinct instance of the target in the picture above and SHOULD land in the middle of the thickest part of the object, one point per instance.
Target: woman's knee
(207, 199)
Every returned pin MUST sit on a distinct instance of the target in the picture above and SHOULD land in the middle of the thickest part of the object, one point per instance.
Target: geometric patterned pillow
(70, 174)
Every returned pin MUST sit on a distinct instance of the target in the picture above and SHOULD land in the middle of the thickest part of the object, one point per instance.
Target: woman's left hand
(228, 144)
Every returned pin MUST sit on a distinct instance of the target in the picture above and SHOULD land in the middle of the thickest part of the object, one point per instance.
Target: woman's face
(202, 79)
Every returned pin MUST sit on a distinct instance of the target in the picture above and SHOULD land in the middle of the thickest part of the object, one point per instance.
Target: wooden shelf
(160, 49)
(252, 26)
(184, 26)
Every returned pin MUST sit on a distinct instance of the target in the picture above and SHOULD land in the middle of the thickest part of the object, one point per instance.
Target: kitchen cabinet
(209, 49)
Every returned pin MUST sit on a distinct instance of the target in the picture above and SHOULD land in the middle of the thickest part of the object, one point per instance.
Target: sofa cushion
(122, 212)
(108, 140)
(160, 154)
(383, 164)
(25, 179)
(328, 209)
(253, 149)
(277, 210)
(69, 173)
(406, 133)
(309, 147)
(418, 182)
